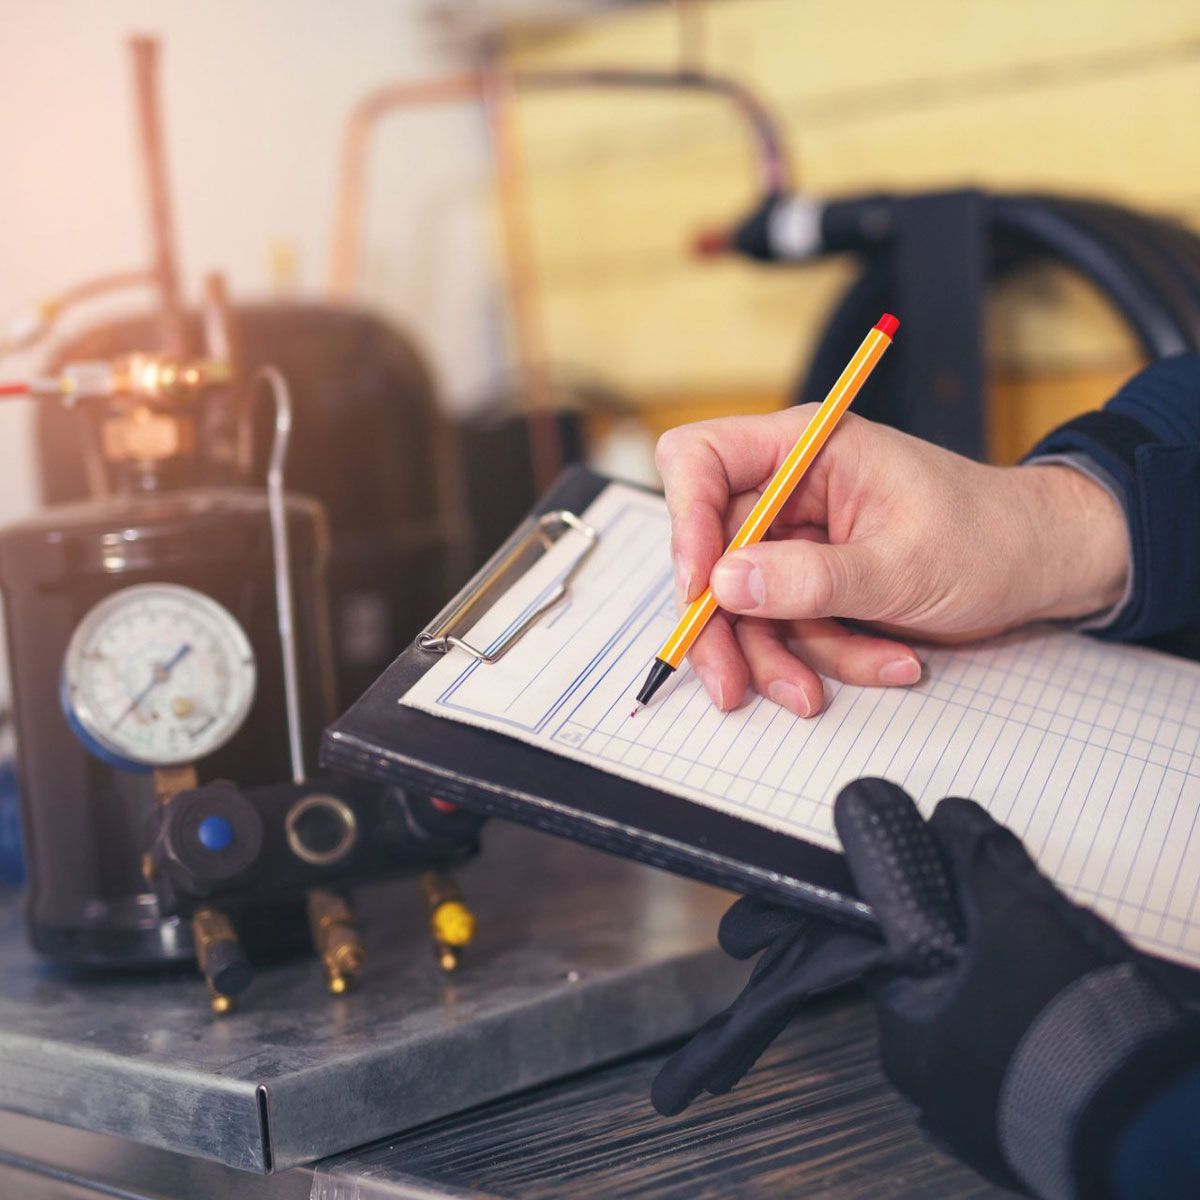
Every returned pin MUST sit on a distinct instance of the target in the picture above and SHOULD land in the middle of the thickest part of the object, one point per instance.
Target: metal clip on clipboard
(528, 543)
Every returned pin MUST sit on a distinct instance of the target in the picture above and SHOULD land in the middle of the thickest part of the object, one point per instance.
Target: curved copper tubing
(494, 88)
(521, 281)
(774, 173)
(347, 227)
(770, 155)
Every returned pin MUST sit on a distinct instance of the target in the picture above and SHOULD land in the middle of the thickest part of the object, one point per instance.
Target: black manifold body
(219, 843)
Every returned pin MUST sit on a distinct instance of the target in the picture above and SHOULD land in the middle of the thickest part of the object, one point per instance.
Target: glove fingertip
(867, 801)
(666, 1100)
(752, 924)
(962, 817)
(962, 826)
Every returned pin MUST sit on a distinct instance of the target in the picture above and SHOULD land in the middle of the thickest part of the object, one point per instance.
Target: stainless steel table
(581, 958)
(814, 1119)
(489, 1085)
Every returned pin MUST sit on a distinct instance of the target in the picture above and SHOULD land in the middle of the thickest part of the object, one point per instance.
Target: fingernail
(738, 583)
(712, 685)
(683, 578)
(789, 696)
(900, 671)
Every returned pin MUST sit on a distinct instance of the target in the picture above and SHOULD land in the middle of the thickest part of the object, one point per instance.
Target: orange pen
(783, 483)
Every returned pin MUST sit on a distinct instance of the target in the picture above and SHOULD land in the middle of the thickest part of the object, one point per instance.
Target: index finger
(703, 466)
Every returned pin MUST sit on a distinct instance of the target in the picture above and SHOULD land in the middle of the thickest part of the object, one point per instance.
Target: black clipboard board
(479, 769)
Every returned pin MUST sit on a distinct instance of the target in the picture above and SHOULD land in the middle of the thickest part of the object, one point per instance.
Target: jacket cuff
(1085, 1066)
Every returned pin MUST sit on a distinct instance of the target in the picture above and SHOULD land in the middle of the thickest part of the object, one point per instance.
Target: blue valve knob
(215, 833)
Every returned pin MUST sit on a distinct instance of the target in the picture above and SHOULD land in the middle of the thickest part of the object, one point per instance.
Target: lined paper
(1089, 752)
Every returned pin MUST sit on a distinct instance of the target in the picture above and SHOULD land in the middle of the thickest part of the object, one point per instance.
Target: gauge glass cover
(158, 675)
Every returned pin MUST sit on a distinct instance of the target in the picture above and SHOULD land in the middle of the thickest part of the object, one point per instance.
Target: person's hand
(802, 956)
(1026, 1030)
(884, 530)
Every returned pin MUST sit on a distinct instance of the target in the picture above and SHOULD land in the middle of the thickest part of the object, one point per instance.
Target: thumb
(752, 924)
(897, 867)
(797, 580)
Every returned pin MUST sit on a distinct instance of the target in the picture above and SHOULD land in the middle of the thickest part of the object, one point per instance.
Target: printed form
(1089, 752)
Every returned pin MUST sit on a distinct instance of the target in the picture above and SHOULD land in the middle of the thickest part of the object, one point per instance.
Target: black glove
(803, 957)
(1025, 1029)
(800, 958)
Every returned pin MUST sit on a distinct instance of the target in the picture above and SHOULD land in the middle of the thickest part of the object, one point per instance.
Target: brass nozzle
(219, 956)
(335, 938)
(220, 1003)
(451, 922)
(210, 926)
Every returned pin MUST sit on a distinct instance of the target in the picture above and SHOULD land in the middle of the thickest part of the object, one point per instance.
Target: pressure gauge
(157, 675)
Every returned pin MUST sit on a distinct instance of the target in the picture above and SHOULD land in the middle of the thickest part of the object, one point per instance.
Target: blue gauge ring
(90, 744)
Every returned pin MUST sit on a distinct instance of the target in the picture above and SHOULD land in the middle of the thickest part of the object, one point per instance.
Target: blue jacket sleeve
(1157, 1156)
(1147, 441)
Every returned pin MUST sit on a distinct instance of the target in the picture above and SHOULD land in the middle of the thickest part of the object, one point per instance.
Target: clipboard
(486, 772)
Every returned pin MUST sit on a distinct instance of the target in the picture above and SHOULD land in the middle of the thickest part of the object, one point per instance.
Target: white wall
(255, 93)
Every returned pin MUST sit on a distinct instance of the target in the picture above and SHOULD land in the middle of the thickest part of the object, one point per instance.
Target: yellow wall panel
(1095, 98)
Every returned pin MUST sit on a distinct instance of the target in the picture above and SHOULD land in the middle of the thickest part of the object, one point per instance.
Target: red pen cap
(888, 324)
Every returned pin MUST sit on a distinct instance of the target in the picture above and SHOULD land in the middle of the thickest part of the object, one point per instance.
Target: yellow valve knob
(454, 924)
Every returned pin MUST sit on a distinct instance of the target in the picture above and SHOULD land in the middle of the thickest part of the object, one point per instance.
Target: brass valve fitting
(335, 938)
(220, 957)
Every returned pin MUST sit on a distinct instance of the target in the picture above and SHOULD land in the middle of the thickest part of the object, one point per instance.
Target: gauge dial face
(157, 675)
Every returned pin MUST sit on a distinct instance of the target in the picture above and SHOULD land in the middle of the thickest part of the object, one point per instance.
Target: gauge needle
(161, 674)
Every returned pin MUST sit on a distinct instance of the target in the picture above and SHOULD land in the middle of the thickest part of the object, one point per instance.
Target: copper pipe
(222, 344)
(528, 329)
(99, 286)
(351, 192)
(163, 263)
(495, 87)
(773, 172)
(689, 19)
(32, 327)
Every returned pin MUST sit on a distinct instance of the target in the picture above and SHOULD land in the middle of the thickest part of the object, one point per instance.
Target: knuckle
(819, 585)
(819, 582)
(670, 444)
(690, 520)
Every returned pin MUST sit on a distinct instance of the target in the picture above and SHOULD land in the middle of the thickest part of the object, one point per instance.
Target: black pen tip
(660, 672)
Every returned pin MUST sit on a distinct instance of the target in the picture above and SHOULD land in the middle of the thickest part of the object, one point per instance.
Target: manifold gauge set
(170, 653)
